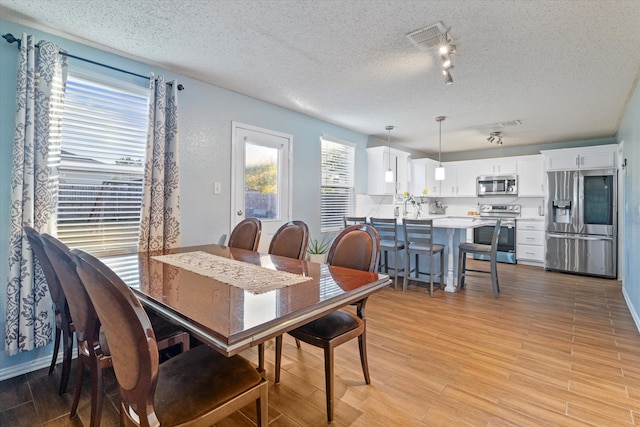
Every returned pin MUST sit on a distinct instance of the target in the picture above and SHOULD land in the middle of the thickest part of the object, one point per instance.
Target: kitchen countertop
(453, 221)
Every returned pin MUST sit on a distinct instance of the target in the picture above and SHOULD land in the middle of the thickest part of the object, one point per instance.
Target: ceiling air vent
(429, 37)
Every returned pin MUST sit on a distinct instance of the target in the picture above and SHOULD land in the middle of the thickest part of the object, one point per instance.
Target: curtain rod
(11, 39)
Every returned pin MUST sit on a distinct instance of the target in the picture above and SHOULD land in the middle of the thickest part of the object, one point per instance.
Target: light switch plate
(217, 188)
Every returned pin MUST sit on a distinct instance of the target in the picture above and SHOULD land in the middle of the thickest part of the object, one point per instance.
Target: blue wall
(629, 133)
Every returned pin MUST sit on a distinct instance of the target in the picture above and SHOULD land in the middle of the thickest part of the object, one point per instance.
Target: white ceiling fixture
(439, 174)
(388, 175)
(446, 49)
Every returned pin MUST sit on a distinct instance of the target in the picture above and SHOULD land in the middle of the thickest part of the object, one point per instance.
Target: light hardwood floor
(554, 349)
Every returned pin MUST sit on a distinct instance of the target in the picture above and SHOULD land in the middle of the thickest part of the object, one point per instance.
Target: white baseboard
(32, 365)
(634, 313)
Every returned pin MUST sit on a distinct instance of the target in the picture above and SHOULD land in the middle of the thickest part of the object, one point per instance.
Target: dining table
(232, 299)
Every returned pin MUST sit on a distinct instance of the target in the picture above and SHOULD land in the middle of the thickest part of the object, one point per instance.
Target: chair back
(246, 234)
(131, 338)
(291, 240)
(495, 238)
(57, 294)
(354, 220)
(357, 247)
(85, 319)
(418, 233)
(387, 228)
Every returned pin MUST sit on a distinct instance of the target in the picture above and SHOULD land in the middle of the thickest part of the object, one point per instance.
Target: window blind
(104, 132)
(337, 184)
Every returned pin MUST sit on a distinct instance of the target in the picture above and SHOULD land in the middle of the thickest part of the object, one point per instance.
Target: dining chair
(246, 234)
(487, 250)
(93, 349)
(357, 247)
(198, 387)
(387, 229)
(418, 240)
(354, 220)
(291, 241)
(64, 322)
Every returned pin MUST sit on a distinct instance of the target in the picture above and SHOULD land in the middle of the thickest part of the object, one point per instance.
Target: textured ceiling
(565, 69)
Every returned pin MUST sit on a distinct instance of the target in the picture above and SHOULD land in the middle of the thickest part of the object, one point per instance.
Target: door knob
(239, 213)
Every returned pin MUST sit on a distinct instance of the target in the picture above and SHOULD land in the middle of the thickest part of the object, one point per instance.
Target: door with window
(261, 177)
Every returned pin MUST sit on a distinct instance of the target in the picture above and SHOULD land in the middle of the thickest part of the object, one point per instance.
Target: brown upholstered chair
(418, 240)
(64, 324)
(291, 241)
(387, 229)
(357, 247)
(246, 234)
(197, 387)
(488, 250)
(354, 220)
(93, 349)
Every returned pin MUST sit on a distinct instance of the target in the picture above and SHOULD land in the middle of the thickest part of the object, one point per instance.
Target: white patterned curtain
(41, 79)
(160, 215)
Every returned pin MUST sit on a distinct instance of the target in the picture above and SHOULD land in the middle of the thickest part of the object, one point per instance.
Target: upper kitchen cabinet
(460, 179)
(497, 167)
(423, 177)
(596, 157)
(530, 170)
(380, 159)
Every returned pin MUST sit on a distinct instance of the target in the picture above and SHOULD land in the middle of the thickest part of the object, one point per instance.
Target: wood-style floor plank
(553, 350)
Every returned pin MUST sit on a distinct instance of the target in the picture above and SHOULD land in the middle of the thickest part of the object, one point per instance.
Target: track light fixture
(445, 50)
(495, 137)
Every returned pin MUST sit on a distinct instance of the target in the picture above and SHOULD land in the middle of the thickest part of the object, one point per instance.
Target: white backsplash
(383, 206)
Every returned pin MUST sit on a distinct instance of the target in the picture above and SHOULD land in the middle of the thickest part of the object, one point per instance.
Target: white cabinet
(595, 157)
(530, 170)
(379, 160)
(423, 177)
(502, 166)
(530, 241)
(460, 179)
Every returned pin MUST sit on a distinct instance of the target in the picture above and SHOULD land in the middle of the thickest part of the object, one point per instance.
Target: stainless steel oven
(507, 238)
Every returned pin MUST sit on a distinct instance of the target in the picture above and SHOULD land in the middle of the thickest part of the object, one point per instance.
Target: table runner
(252, 278)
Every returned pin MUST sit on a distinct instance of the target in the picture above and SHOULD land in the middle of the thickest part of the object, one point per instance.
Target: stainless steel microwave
(497, 185)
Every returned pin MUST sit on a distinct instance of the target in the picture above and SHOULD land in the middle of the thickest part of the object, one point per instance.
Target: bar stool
(354, 220)
(387, 229)
(475, 248)
(418, 240)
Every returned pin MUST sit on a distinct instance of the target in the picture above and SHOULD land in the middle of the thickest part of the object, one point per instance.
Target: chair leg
(76, 394)
(56, 348)
(328, 374)
(261, 358)
(431, 274)
(494, 278)
(407, 270)
(278, 357)
(362, 344)
(442, 285)
(67, 353)
(97, 393)
(262, 405)
(462, 265)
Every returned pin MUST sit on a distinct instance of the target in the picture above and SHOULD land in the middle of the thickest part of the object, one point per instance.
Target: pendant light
(388, 175)
(440, 169)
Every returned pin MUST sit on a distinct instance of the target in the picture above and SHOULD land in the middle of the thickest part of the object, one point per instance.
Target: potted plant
(317, 250)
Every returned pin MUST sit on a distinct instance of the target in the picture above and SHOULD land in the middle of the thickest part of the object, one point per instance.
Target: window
(337, 184)
(104, 132)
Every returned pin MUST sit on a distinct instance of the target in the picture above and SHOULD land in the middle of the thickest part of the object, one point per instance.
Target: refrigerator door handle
(578, 237)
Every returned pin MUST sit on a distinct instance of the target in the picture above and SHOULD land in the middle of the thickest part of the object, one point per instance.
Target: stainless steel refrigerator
(581, 215)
